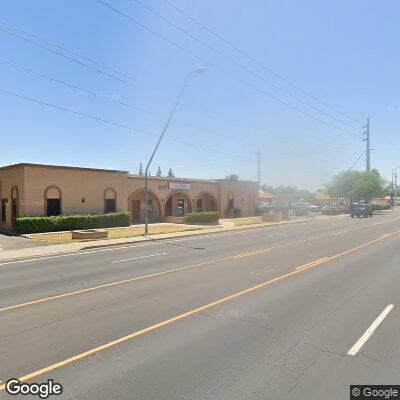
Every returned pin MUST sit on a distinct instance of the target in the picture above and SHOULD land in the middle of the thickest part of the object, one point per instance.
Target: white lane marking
(264, 272)
(370, 331)
(139, 258)
(79, 253)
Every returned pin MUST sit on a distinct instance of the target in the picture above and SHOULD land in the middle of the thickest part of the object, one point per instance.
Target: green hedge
(207, 217)
(71, 222)
(380, 206)
(331, 210)
(233, 213)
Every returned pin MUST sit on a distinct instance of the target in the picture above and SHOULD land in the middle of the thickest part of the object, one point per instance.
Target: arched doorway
(177, 205)
(52, 201)
(205, 201)
(110, 200)
(136, 207)
(14, 202)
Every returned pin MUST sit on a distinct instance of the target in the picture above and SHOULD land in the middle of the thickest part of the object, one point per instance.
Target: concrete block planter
(174, 220)
(271, 217)
(90, 234)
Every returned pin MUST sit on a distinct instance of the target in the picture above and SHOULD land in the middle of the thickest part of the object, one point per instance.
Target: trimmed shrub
(233, 213)
(40, 224)
(207, 217)
(237, 213)
(228, 213)
(258, 211)
(330, 210)
(380, 206)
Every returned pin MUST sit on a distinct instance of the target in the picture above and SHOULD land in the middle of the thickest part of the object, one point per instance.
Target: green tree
(358, 185)
(370, 186)
(158, 173)
(140, 169)
(342, 185)
(232, 177)
(170, 173)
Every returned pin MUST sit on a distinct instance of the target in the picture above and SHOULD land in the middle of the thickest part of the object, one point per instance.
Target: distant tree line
(291, 193)
(158, 173)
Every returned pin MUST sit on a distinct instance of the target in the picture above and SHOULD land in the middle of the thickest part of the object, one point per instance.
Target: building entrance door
(53, 207)
(136, 211)
(199, 205)
(168, 207)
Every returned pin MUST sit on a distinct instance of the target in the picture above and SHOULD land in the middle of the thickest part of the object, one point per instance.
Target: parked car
(303, 208)
(361, 209)
(265, 207)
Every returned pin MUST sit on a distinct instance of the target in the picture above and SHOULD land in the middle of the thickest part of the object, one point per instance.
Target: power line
(11, 33)
(71, 85)
(355, 163)
(219, 68)
(97, 95)
(173, 43)
(65, 49)
(60, 54)
(260, 64)
(123, 103)
(234, 62)
(108, 122)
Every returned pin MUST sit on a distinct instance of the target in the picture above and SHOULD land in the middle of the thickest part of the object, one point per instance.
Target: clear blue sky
(346, 53)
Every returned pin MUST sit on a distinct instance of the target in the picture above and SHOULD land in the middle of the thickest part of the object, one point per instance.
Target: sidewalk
(50, 250)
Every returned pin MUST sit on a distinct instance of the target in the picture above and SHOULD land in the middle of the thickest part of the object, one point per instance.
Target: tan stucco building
(35, 189)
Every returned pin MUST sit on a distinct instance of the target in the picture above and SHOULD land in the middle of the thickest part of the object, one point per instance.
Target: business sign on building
(179, 185)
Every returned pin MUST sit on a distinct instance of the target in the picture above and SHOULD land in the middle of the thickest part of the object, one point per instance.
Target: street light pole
(146, 191)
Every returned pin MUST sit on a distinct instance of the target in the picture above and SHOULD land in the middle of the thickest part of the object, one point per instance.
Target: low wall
(174, 220)
(90, 234)
(271, 217)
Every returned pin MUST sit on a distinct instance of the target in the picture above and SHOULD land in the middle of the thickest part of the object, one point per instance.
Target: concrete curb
(156, 238)
(57, 249)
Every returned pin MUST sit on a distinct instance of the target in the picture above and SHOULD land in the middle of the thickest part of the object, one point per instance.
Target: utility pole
(368, 149)
(259, 168)
(394, 184)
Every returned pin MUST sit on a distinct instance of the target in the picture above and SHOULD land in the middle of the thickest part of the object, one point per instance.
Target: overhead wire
(117, 124)
(234, 62)
(182, 48)
(123, 103)
(257, 62)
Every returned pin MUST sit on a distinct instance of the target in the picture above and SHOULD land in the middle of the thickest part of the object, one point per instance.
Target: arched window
(52, 201)
(110, 200)
(14, 202)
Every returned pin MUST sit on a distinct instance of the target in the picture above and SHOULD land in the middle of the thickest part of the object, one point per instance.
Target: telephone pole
(394, 184)
(368, 149)
(259, 167)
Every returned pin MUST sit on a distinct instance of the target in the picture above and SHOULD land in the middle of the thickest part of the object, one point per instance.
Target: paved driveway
(16, 242)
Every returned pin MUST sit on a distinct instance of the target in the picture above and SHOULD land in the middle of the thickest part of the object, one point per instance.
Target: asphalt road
(268, 313)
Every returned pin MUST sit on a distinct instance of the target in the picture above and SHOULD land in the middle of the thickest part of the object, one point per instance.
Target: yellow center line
(312, 263)
(197, 310)
(177, 269)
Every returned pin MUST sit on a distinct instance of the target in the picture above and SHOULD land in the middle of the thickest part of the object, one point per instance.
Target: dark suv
(361, 210)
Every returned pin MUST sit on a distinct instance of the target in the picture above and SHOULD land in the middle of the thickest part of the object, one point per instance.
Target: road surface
(269, 313)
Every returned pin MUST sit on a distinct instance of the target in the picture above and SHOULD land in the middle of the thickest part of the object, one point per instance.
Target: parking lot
(16, 242)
